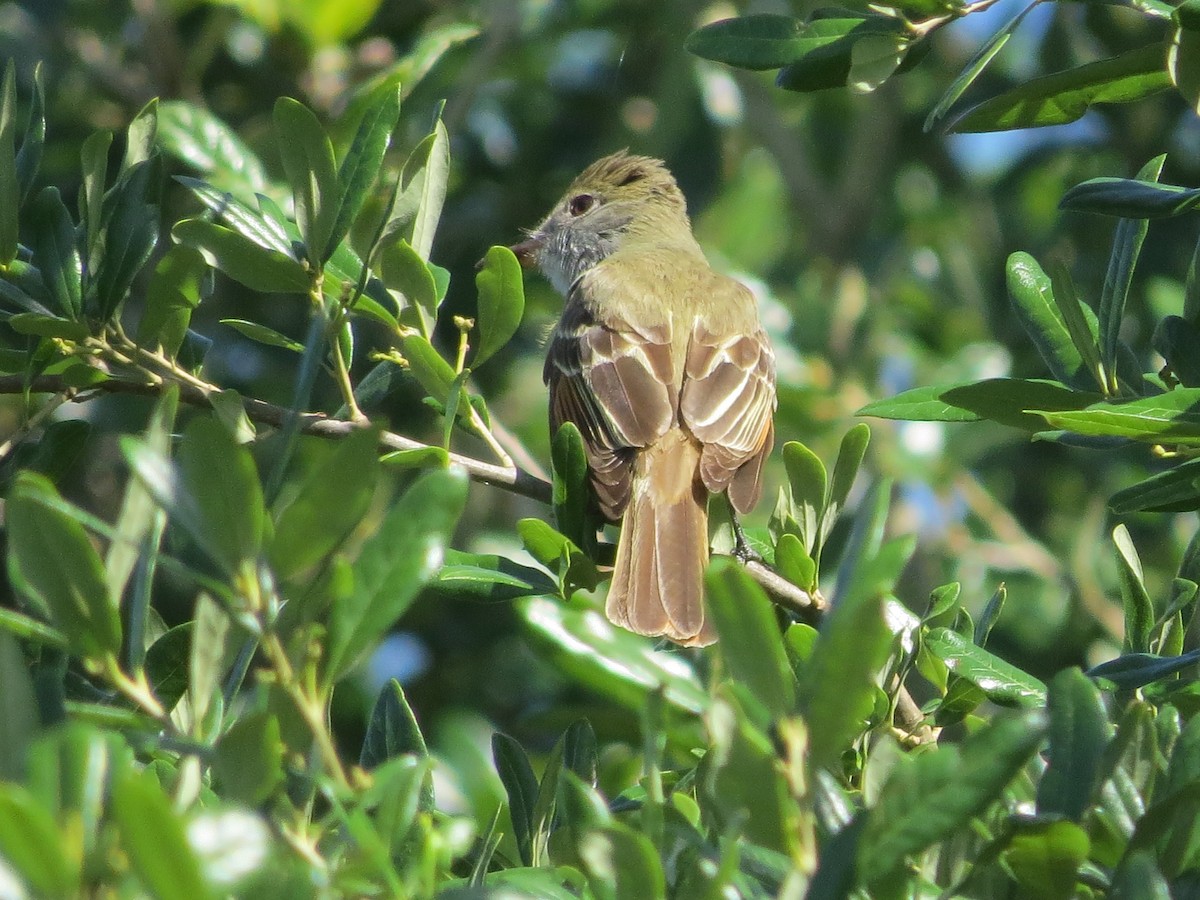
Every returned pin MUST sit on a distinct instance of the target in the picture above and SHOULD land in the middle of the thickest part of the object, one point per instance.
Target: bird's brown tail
(658, 581)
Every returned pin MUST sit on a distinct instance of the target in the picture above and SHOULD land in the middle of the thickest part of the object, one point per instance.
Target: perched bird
(662, 364)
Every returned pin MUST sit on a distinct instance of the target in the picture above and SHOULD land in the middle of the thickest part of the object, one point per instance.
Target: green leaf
(1182, 54)
(174, 292)
(852, 644)
(750, 641)
(572, 498)
(874, 58)
(1065, 96)
(402, 269)
(609, 660)
(828, 60)
(94, 162)
(18, 707)
(394, 564)
(363, 162)
(1079, 733)
(1134, 670)
(10, 188)
(558, 553)
(1033, 301)
(1139, 878)
(128, 234)
(808, 483)
(392, 730)
(32, 845)
(1139, 608)
(1045, 858)
(153, 839)
(1003, 682)
(489, 578)
(516, 774)
(328, 506)
(261, 334)
(206, 662)
(1005, 400)
(501, 302)
(428, 366)
(201, 140)
(52, 239)
(1130, 198)
(422, 192)
(1176, 339)
(974, 68)
(49, 326)
(794, 562)
(140, 136)
(166, 665)
(219, 473)
(246, 262)
(1170, 418)
(1127, 246)
(624, 859)
(940, 791)
(763, 41)
(33, 143)
(849, 459)
(266, 226)
(923, 404)
(309, 165)
(248, 759)
(54, 565)
(1080, 321)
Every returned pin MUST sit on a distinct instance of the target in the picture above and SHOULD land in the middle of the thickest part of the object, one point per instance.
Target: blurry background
(877, 252)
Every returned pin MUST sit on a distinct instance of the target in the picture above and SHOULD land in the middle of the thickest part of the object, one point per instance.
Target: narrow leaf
(309, 165)
(241, 259)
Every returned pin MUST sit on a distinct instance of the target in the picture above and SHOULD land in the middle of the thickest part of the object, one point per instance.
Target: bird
(663, 365)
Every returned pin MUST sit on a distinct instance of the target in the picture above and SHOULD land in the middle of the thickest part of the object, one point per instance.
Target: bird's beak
(526, 251)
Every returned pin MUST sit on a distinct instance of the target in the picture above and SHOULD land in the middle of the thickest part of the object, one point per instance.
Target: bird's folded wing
(728, 402)
(616, 384)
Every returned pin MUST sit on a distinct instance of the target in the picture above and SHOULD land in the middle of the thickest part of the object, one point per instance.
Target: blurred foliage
(240, 658)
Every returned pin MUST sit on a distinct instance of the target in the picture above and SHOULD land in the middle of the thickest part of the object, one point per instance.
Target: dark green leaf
(828, 57)
(572, 497)
(501, 302)
(422, 191)
(257, 267)
(1033, 300)
(489, 578)
(362, 163)
(52, 239)
(750, 641)
(1134, 670)
(309, 165)
(140, 136)
(1065, 96)
(558, 553)
(29, 156)
(519, 782)
(174, 291)
(392, 729)
(1003, 682)
(1079, 733)
(10, 188)
(18, 705)
(939, 791)
(1182, 54)
(1139, 878)
(49, 326)
(261, 227)
(52, 562)
(1175, 489)
(248, 762)
(1127, 246)
(261, 334)
(166, 664)
(220, 475)
(394, 565)
(94, 160)
(153, 839)
(989, 616)
(1130, 198)
(1080, 321)
(128, 234)
(763, 41)
(328, 506)
(850, 456)
(974, 68)
(1178, 340)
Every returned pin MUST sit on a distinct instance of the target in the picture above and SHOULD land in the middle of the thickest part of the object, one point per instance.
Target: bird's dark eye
(581, 203)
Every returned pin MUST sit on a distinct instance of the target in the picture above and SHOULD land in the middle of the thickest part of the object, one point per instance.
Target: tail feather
(658, 580)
